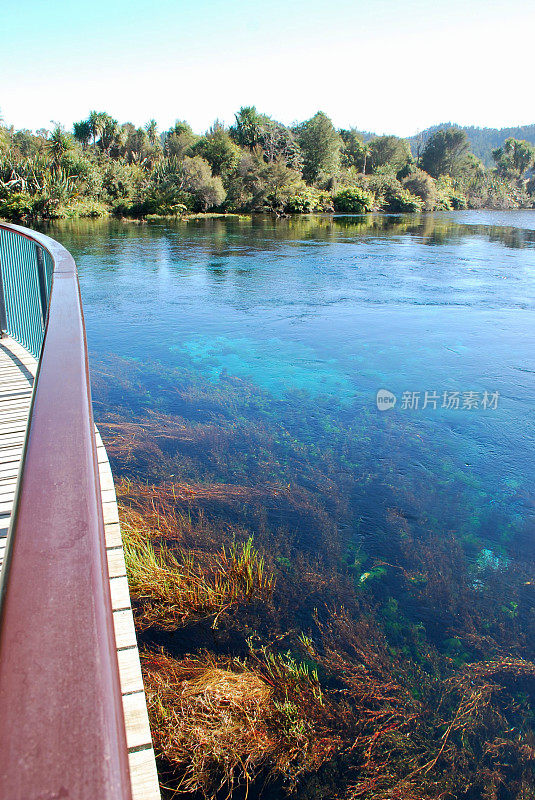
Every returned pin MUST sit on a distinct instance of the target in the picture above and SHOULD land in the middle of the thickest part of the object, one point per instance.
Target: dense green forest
(483, 141)
(257, 164)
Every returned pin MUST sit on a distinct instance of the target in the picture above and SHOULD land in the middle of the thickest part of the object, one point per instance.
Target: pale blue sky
(381, 65)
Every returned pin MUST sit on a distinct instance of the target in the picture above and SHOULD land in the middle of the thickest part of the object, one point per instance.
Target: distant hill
(482, 140)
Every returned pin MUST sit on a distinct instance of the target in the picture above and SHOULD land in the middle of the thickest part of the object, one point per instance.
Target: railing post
(41, 277)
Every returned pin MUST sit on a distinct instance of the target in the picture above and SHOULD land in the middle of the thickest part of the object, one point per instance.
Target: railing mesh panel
(26, 271)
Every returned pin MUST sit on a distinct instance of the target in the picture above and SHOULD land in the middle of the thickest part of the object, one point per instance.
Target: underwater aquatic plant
(172, 587)
(220, 724)
(384, 629)
(398, 715)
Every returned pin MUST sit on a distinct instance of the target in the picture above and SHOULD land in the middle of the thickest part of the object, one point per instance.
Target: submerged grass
(383, 663)
(333, 710)
(173, 587)
(224, 723)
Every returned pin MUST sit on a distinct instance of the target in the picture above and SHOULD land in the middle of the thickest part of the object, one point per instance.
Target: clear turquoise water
(318, 314)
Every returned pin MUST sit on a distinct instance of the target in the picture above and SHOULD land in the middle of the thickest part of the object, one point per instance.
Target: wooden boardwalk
(17, 373)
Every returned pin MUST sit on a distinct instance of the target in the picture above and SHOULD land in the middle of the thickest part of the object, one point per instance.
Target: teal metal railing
(62, 718)
(25, 282)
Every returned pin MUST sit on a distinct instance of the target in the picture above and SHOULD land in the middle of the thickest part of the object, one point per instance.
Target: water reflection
(512, 229)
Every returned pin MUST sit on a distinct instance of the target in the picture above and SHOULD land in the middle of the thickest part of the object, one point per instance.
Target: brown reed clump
(173, 587)
(459, 738)
(388, 725)
(222, 723)
(481, 701)
(160, 517)
(181, 493)
(295, 510)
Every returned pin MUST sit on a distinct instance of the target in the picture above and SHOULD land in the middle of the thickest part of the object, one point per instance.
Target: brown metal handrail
(62, 732)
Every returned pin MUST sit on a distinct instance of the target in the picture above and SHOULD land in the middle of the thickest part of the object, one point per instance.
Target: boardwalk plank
(143, 767)
(116, 565)
(113, 535)
(15, 399)
(137, 720)
(125, 633)
(130, 671)
(143, 772)
(120, 596)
